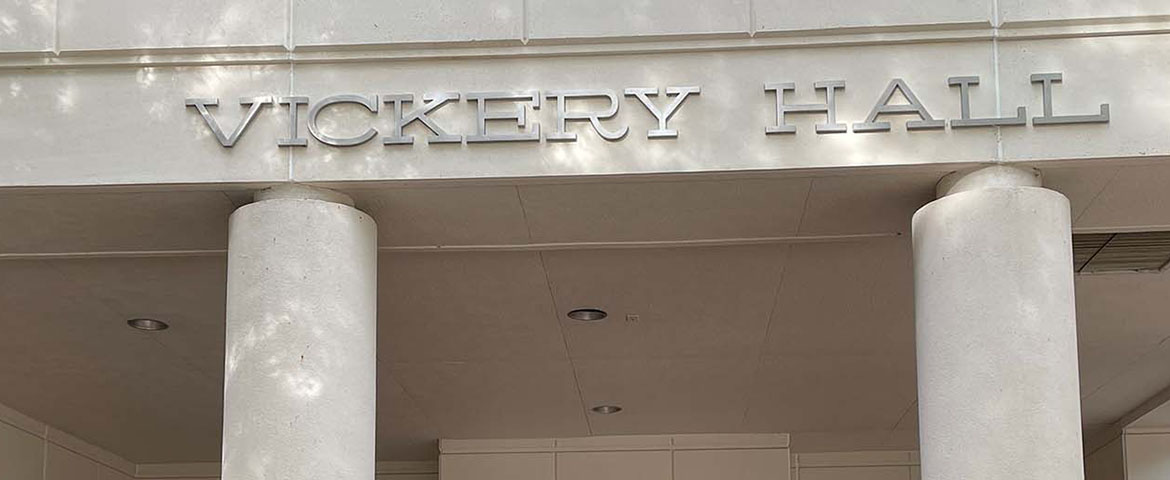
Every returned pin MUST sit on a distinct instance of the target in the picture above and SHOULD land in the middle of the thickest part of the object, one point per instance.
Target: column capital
(301, 191)
(987, 177)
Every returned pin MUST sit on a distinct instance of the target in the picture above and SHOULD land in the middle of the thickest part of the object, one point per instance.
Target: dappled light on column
(299, 385)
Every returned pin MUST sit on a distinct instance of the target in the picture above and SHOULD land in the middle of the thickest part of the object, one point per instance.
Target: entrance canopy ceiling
(762, 303)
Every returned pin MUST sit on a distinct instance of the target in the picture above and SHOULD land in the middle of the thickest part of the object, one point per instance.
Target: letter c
(370, 103)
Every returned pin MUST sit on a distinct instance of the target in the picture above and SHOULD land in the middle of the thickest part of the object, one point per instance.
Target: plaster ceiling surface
(813, 338)
(1157, 418)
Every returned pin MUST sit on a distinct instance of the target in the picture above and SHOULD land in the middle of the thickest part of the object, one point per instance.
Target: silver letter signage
(513, 116)
(829, 108)
(294, 139)
(563, 114)
(883, 107)
(430, 103)
(680, 94)
(518, 115)
(370, 103)
(253, 104)
(1047, 79)
(965, 119)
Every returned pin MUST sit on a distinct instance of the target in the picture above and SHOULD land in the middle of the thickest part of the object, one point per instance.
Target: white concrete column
(996, 331)
(300, 368)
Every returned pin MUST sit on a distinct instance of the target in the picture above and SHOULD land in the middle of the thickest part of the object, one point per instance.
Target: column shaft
(299, 385)
(996, 332)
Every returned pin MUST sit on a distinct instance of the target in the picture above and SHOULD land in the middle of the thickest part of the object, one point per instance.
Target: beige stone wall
(91, 95)
(81, 25)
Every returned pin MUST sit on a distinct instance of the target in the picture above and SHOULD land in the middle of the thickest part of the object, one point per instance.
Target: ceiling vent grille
(1121, 252)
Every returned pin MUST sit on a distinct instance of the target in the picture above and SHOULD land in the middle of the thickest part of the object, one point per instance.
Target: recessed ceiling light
(147, 324)
(588, 314)
(606, 409)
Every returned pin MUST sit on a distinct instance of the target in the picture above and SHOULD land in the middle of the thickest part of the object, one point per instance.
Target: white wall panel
(549, 19)
(22, 454)
(137, 24)
(505, 466)
(785, 15)
(1147, 456)
(1120, 71)
(730, 464)
(1032, 10)
(324, 22)
(27, 25)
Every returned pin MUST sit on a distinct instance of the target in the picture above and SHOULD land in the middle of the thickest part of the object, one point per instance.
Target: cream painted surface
(664, 210)
(831, 393)
(446, 216)
(853, 204)
(144, 24)
(1113, 376)
(508, 322)
(701, 302)
(1011, 11)
(488, 466)
(621, 18)
(332, 22)
(84, 222)
(692, 395)
(1098, 70)
(647, 457)
(475, 399)
(614, 465)
(861, 465)
(31, 450)
(27, 25)
(428, 470)
(730, 464)
(1132, 196)
(818, 324)
(22, 454)
(87, 366)
(1147, 456)
(1158, 417)
(795, 15)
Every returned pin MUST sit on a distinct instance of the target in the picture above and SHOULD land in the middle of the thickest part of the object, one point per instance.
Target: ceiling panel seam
(764, 339)
(1129, 367)
(523, 212)
(804, 208)
(564, 341)
(417, 405)
(1100, 191)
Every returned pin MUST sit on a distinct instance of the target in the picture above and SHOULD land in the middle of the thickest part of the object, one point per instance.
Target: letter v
(201, 104)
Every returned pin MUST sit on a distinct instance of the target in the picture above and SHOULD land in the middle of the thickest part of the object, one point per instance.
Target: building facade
(538, 239)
